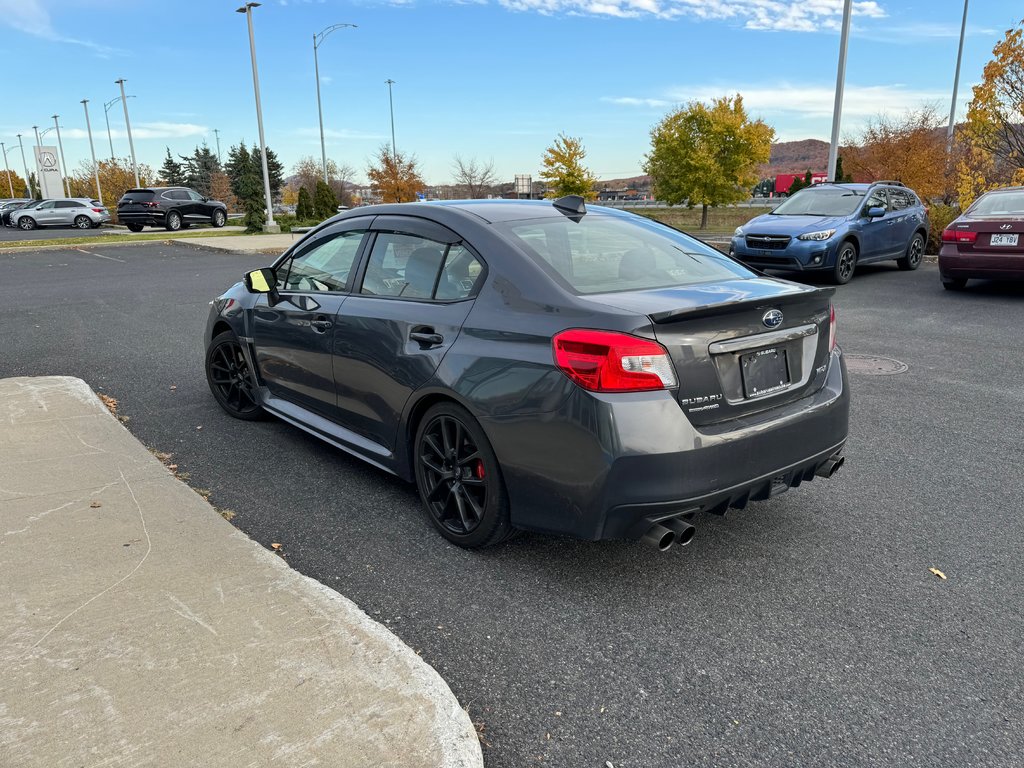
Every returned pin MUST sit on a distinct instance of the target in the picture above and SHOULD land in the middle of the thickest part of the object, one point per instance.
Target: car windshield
(821, 201)
(999, 203)
(602, 254)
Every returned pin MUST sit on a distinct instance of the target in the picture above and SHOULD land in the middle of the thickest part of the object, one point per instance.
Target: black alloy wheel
(134, 227)
(219, 218)
(459, 479)
(173, 221)
(914, 255)
(231, 381)
(846, 263)
(83, 222)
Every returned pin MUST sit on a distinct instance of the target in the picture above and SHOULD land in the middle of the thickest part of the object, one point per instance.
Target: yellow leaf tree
(707, 154)
(994, 133)
(20, 187)
(394, 176)
(564, 172)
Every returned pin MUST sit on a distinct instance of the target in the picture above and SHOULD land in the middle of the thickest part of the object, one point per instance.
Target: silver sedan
(80, 212)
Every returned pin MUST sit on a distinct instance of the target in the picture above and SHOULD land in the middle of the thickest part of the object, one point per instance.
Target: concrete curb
(141, 628)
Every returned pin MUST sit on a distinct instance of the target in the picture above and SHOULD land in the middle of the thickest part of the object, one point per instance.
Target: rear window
(994, 204)
(602, 254)
(138, 195)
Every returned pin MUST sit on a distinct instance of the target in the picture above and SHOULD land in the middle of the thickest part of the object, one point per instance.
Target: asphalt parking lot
(804, 631)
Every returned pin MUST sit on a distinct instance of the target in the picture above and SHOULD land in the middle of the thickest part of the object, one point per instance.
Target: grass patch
(113, 239)
(721, 221)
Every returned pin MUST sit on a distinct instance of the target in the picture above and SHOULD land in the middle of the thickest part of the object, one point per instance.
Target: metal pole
(270, 226)
(64, 170)
(956, 82)
(92, 151)
(128, 125)
(837, 112)
(320, 112)
(28, 178)
(9, 182)
(106, 113)
(216, 135)
(394, 149)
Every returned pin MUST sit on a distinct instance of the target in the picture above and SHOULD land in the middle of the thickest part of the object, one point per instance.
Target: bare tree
(308, 170)
(475, 177)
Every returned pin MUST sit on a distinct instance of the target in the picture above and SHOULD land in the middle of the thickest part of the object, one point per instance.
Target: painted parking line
(100, 255)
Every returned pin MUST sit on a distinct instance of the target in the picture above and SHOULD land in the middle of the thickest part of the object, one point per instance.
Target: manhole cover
(873, 365)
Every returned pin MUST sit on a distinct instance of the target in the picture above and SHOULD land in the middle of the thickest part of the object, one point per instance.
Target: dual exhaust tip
(663, 535)
(830, 466)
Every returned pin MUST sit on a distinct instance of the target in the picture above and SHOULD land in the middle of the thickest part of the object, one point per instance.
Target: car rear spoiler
(688, 313)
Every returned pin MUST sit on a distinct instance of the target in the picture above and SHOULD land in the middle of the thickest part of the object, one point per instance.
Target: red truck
(785, 180)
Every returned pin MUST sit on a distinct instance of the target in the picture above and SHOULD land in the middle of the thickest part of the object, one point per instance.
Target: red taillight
(97, 210)
(831, 328)
(959, 236)
(606, 361)
(151, 205)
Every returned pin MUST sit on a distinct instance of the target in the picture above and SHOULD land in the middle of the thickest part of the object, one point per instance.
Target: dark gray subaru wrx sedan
(539, 365)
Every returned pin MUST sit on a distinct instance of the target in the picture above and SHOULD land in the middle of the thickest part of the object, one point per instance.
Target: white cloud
(143, 131)
(326, 79)
(331, 133)
(634, 101)
(30, 17)
(791, 15)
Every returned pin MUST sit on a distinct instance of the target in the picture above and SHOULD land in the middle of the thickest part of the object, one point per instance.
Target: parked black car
(173, 208)
(10, 206)
(537, 365)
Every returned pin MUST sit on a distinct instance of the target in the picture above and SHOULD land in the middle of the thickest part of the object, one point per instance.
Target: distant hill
(786, 157)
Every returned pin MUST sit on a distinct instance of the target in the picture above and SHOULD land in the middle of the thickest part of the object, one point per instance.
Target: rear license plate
(764, 371)
(1003, 240)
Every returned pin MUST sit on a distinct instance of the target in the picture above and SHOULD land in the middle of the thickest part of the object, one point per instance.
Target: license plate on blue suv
(764, 372)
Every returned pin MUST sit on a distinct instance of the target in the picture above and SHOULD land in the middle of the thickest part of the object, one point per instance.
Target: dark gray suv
(539, 365)
(173, 208)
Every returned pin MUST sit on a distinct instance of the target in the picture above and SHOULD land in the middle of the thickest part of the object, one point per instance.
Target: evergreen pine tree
(238, 164)
(275, 170)
(171, 171)
(304, 210)
(326, 202)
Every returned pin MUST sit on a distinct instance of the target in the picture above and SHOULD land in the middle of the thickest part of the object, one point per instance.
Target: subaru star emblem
(1006, 226)
(772, 318)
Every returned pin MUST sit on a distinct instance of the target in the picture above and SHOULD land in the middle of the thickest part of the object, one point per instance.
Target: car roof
(512, 210)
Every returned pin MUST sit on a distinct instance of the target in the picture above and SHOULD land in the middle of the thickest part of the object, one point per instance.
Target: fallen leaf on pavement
(200, 426)
(173, 387)
(95, 505)
(276, 546)
(938, 573)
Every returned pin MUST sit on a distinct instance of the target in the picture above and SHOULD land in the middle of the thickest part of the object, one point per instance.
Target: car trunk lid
(739, 346)
(136, 200)
(990, 234)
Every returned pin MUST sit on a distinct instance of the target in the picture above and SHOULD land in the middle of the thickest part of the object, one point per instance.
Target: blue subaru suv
(835, 227)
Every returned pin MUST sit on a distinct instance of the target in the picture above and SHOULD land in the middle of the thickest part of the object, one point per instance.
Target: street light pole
(270, 226)
(92, 151)
(956, 83)
(63, 162)
(837, 112)
(28, 178)
(317, 40)
(216, 135)
(128, 125)
(6, 166)
(391, 103)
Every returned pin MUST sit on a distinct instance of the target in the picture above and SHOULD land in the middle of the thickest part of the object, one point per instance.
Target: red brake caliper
(478, 470)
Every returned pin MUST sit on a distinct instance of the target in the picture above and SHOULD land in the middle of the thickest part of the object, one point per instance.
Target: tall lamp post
(128, 126)
(63, 162)
(216, 134)
(391, 103)
(271, 225)
(92, 151)
(28, 178)
(106, 112)
(956, 82)
(317, 40)
(837, 112)
(7, 167)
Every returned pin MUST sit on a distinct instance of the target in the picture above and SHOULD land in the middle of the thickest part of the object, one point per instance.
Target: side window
(325, 267)
(46, 206)
(67, 204)
(194, 196)
(899, 199)
(460, 275)
(876, 199)
(405, 266)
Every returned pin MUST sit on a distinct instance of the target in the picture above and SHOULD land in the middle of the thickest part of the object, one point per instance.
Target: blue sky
(492, 79)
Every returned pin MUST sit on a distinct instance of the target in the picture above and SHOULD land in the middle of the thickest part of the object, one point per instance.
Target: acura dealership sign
(51, 180)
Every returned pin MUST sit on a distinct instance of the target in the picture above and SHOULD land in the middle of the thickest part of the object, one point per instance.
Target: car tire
(26, 223)
(219, 218)
(846, 263)
(134, 227)
(954, 283)
(230, 380)
(459, 479)
(173, 222)
(915, 253)
(83, 222)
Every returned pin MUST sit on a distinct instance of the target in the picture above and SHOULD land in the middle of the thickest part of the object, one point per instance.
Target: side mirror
(876, 212)
(263, 281)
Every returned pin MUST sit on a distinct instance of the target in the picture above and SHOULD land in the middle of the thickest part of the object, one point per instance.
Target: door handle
(320, 324)
(425, 336)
